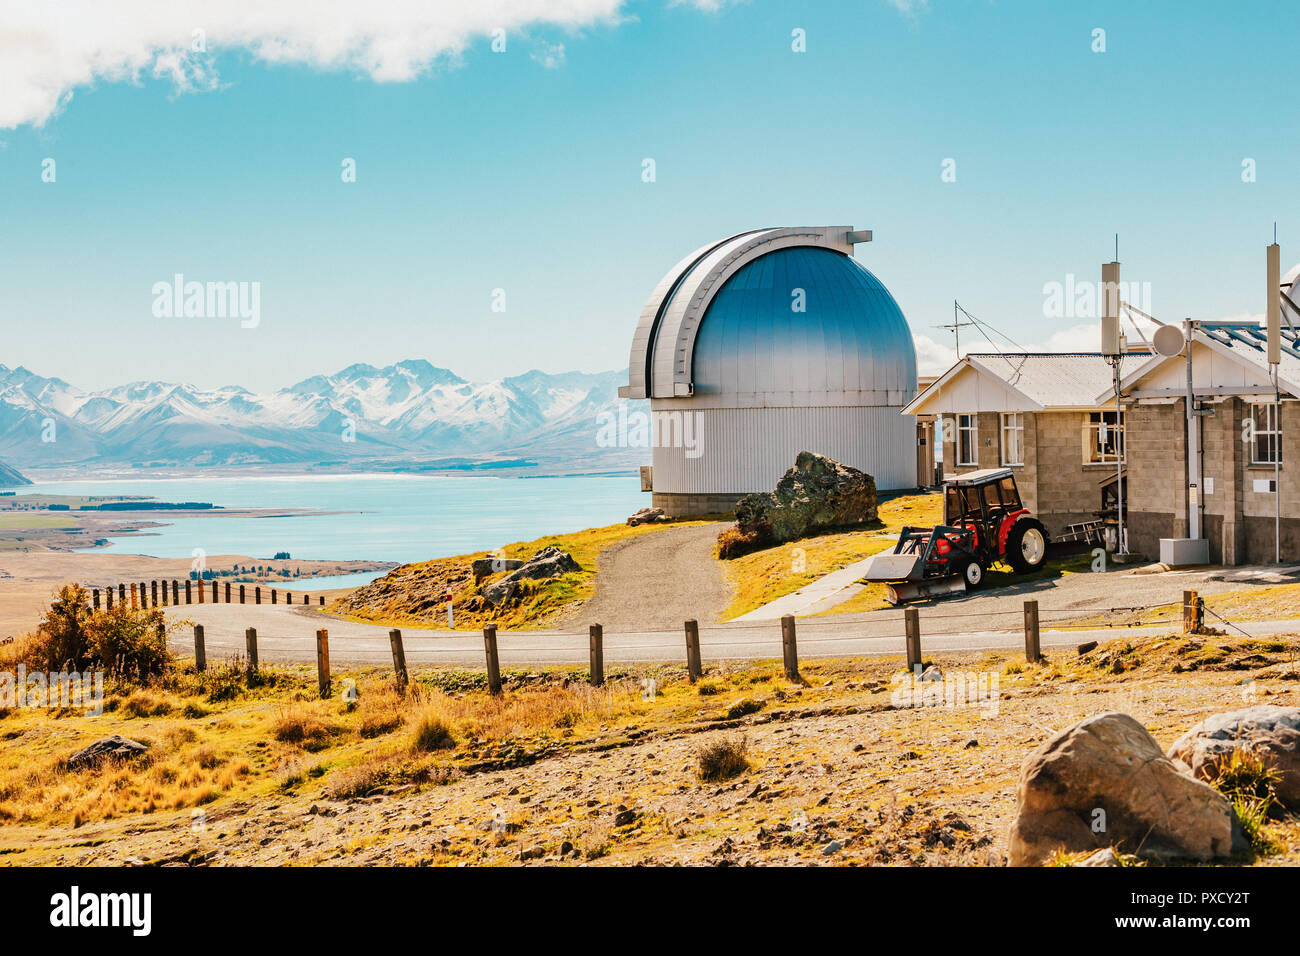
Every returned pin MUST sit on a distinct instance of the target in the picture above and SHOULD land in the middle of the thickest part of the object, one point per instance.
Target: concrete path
(823, 594)
(287, 635)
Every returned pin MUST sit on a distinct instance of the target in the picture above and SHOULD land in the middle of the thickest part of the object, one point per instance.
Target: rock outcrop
(547, 563)
(1269, 732)
(116, 747)
(648, 516)
(1106, 782)
(816, 494)
(482, 567)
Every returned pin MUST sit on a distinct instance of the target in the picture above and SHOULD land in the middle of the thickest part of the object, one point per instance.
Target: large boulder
(817, 493)
(482, 567)
(547, 563)
(114, 748)
(1269, 732)
(1106, 782)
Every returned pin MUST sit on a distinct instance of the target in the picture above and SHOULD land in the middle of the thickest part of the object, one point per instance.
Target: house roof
(1026, 381)
(1243, 344)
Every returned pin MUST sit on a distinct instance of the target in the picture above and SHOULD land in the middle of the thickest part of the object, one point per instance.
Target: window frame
(973, 430)
(1092, 429)
(1018, 429)
(1273, 417)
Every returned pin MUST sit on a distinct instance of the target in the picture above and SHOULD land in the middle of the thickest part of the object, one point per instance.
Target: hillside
(10, 477)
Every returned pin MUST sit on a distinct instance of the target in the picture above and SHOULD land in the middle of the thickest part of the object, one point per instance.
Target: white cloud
(48, 50)
(909, 7)
(549, 55)
(931, 357)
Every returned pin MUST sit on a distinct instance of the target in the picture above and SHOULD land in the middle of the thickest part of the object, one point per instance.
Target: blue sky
(486, 171)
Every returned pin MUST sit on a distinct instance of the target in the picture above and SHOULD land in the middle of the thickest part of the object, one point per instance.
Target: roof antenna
(1117, 247)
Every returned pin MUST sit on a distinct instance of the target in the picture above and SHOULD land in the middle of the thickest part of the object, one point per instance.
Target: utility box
(1179, 552)
(647, 478)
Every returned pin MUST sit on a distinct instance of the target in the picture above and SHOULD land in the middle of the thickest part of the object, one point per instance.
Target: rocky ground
(841, 769)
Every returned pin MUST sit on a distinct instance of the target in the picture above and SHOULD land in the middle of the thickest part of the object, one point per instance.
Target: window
(1103, 440)
(967, 440)
(1013, 438)
(1266, 434)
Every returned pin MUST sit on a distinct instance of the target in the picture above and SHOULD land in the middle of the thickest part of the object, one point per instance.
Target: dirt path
(657, 580)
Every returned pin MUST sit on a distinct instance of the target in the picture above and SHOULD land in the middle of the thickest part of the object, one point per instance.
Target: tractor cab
(982, 498)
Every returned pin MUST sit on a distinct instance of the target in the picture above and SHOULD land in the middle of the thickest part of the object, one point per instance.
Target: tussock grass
(723, 759)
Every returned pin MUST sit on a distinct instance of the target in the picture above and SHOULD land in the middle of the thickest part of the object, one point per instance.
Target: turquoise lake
(397, 518)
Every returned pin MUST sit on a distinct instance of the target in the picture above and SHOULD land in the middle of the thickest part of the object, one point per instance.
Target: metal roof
(1045, 379)
(845, 342)
(662, 363)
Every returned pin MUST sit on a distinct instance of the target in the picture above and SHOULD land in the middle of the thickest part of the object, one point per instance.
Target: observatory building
(765, 344)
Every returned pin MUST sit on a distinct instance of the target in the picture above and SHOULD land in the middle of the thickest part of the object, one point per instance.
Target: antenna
(955, 328)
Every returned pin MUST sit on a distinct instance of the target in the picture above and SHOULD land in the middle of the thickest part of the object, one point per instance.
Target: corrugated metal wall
(749, 449)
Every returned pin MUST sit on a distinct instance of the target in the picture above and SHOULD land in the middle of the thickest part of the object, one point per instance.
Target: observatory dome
(765, 344)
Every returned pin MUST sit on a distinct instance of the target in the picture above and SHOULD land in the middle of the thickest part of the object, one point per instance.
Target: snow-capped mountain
(412, 410)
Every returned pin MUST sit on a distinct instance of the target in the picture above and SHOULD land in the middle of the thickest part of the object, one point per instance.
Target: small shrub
(298, 726)
(1247, 775)
(1252, 812)
(743, 708)
(736, 541)
(379, 723)
(432, 733)
(143, 704)
(707, 688)
(723, 759)
(355, 782)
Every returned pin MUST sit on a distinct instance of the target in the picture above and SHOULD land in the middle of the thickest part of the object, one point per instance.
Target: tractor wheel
(1027, 545)
(973, 574)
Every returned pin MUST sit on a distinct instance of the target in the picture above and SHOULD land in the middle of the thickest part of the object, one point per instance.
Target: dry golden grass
(766, 575)
(539, 606)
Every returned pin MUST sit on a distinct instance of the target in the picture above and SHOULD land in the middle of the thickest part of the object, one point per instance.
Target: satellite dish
(1168, 340)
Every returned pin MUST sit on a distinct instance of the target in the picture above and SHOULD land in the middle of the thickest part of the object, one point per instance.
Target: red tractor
(983, 521)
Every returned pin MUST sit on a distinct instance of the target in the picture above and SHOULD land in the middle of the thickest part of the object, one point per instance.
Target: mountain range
(411, 412)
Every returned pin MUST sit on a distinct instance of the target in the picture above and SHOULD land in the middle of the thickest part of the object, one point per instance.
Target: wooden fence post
(200, 652)
(323, 661)
(176, 596)
(789, 649)
(596, 633)
(153, 593)
(227, 592)
(399, 659)
(1193, 614)
(1032, 653)
(257, 595)
(144, 597)
(273, 595)
(250, 640)
(164, 593)
(189, 597)
(108, 596)
(322, 600)
(121, 595)
(694, 670)
(95, 594)
(134, 605)
(912, 626)
(241, 594)
(493, 663)
(214, 590)
(202, 589)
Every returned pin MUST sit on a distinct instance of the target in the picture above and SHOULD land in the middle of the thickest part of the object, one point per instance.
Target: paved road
(657, 580)
(288, 636)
